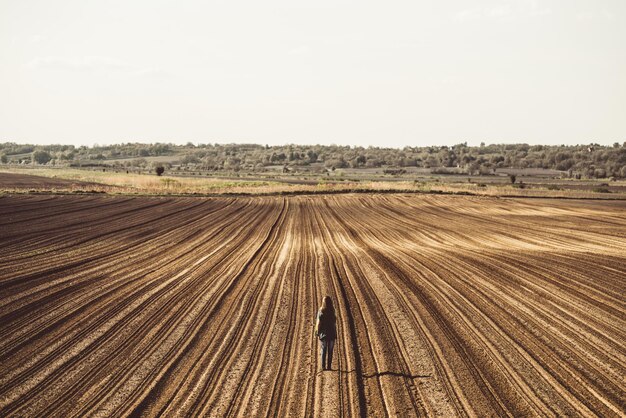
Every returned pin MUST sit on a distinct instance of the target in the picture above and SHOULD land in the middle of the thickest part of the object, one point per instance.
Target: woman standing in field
(326, 330)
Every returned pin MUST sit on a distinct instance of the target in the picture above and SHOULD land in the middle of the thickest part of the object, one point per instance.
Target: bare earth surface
(27, 181)
(447, 306)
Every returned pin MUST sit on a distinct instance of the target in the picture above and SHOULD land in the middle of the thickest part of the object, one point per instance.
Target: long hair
(327, 306)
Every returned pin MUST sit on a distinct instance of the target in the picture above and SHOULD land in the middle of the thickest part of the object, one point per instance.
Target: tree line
(584, 161)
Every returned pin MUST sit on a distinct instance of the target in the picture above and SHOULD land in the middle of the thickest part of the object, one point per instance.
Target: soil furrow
(446, 306)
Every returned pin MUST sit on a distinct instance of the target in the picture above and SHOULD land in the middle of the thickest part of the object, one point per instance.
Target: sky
(379, 73)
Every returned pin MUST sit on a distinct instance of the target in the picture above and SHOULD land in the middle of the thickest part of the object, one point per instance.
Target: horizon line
(183, 143)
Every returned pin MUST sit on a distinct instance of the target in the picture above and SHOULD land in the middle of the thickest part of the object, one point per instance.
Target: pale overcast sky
(384, 73)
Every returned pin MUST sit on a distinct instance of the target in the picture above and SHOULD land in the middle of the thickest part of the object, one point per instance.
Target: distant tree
(41, 157)
(474, 168)
(581, 159)
(4, 159)
(512, 178)
(159, 170)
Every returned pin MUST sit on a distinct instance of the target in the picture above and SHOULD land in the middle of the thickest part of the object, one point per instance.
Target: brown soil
(27, 181)
(447, 306)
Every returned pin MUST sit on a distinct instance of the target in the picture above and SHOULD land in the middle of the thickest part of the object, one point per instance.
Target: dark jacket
(327, 326)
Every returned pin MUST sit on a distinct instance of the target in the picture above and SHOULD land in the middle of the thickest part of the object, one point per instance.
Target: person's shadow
(385, 373)
(396, 374)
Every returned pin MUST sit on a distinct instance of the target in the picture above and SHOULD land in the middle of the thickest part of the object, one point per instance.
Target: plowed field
(447, 306)
(13, 181)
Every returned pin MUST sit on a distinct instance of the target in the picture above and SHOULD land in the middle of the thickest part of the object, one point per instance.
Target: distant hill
(582, 161)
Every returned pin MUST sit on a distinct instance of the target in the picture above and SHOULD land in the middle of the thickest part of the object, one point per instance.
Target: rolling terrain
(447, 306)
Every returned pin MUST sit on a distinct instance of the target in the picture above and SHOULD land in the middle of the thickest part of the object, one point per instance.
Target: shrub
(41, 157)
(159, 170)
(512, 178)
